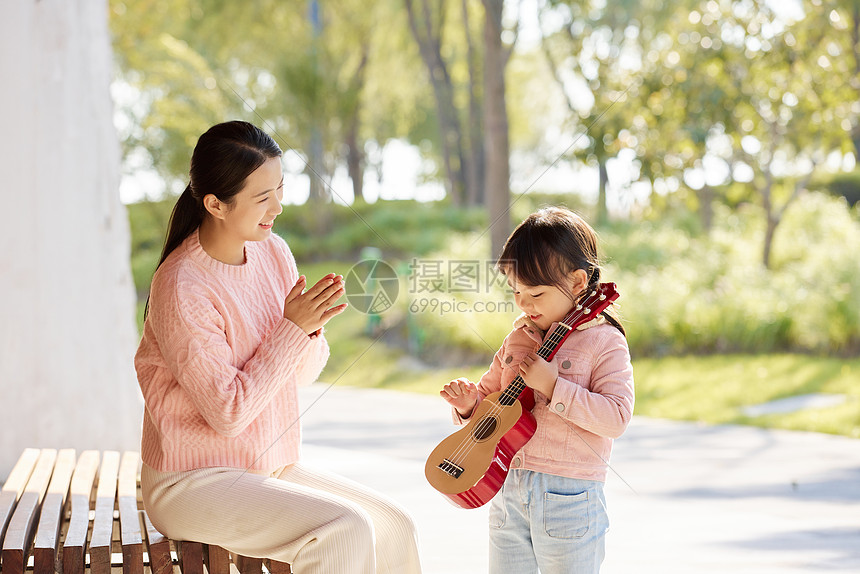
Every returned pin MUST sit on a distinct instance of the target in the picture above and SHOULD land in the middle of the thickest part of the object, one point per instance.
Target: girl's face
(546, 304)
(254, 209)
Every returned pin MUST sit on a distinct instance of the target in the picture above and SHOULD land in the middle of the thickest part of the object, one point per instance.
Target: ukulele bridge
(450, 468)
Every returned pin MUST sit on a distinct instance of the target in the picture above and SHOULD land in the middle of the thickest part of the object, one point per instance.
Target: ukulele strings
(511, 392)
(548, 346)
(556, 337)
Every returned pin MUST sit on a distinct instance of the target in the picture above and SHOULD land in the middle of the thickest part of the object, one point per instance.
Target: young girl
(550, 514)
(230, 332)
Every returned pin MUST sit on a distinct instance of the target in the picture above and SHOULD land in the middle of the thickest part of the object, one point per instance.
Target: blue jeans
(547, 522)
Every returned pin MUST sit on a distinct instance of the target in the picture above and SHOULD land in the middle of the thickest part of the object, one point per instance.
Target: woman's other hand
(312, 309)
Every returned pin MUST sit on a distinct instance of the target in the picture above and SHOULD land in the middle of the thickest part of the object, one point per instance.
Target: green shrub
(401, 229)
(711, 294)
(682, 291)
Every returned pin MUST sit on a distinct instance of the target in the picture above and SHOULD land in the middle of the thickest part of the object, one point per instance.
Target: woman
(230, 332)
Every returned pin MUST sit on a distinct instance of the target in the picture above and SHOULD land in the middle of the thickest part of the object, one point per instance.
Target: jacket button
(565, 364)
(559, 407)
(517, 462)
(508, 359)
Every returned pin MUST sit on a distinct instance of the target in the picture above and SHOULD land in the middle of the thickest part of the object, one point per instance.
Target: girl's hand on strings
(462, 394)
(539, 374)
(312, 309)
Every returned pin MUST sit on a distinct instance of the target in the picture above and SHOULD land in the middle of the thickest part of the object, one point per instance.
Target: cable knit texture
(218, 364)
(591, 405)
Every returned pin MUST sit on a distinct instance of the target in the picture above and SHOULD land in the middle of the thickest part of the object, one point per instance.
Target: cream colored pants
(317, 521)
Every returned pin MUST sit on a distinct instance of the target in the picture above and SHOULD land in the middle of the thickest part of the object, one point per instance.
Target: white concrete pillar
(67, 330)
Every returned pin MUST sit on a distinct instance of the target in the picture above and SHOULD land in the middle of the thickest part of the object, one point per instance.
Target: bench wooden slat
(19, 533)
(100, 540)
(158, 548)
(190, 556)
(216, 559)
(276, 567)
(46, 542)
(14, 487)
(129, 517)
(75, 544)
(248, 565)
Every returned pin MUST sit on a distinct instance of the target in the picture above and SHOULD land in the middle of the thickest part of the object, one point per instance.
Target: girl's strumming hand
(312, 309)
(462, 394)
(539, 374)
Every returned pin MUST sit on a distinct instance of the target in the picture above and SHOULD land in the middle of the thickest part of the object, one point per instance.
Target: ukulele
(470, 466)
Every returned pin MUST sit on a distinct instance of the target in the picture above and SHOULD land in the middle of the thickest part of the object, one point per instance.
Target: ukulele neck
(546, 352)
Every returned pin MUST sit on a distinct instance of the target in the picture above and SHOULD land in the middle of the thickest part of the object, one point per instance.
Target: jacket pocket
(566, 515)
(574, 367)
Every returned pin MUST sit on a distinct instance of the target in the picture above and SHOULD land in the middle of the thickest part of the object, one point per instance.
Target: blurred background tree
(707, 118)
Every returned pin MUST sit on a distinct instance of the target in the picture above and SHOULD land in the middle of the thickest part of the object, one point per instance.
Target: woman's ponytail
(187, 216)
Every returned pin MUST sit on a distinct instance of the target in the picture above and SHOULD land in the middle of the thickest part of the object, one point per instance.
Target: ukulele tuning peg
(578, 307)
(602, 297)
(587, 310)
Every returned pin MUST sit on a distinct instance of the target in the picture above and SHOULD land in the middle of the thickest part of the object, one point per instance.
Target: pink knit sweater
(218, 364)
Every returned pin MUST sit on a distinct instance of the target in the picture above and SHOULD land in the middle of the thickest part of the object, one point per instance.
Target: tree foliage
(709, 102)
(711, 94)
(321, 80)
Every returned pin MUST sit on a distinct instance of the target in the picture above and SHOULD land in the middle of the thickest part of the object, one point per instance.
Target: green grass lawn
(716, 388)
(712, 389)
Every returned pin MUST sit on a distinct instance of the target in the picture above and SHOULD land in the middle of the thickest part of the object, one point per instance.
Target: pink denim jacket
(591, 405)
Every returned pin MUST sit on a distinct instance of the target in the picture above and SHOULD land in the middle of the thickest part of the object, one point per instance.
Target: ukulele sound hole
(485, 428)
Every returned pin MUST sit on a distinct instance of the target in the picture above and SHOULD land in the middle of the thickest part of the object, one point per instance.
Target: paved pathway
(683, 498)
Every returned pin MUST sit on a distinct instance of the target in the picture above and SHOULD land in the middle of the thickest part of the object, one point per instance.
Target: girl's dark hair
(547, 246)
(222, 160)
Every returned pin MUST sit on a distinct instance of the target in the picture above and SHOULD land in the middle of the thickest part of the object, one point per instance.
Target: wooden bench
(62, 513)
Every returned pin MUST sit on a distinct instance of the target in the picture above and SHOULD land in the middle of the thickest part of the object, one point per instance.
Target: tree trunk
(773, 214)
(67, 334)
(316, 168)
(354, 151)
(429, 46)
(496, 128)
(706, 208)
(355, 160)
(769, 232)
(771, 220)
(475, 152)
(603, 179)
(855, 52)
(319, 192)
